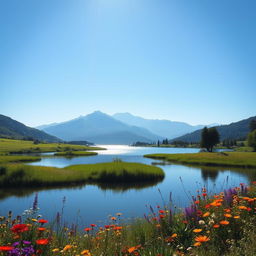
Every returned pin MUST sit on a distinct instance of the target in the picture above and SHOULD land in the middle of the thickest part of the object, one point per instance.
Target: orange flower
(86, 253)
(206, 214)
(113, 218)
(170, 238)
(134, 248)
(216, 226)
(242, 207)
(43, 241)
(228, 215)
(118, 228)
(67, 247)
(236, 217)
(197, 202)
(197, 244)
(227, 210)
(158, 225)
(202, 239)
(224, 222)
(41, 229)
(197, 230)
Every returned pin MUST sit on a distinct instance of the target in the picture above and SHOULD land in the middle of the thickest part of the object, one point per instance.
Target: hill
(165, 128)
(13, 129)
(235, 131)
(100, 128)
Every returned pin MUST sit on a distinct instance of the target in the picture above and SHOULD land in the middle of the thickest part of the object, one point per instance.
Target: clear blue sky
(182, 60)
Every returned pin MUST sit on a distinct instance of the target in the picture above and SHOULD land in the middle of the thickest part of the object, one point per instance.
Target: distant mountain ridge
(100, 128)
(234, 131)
(165, 128)
(13, 129)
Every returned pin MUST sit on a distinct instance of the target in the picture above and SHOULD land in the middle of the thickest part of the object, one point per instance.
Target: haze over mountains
(121, 128)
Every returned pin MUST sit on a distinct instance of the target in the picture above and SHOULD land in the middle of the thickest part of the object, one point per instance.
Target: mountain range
(234, 131)
(121, 128)
(13, 129)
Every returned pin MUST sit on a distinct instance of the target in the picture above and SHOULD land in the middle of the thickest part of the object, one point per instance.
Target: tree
(209, 138)
(253, 125)
(252, 140)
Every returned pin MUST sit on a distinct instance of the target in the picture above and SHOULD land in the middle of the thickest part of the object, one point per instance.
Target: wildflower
(197, 244)
(201, 222)
(202, 239)
(206, 214)
(242, 207)
(197, 230)
(227, 210)
(34, 220)
(204, 194)
(216, 226)
(119, 214)
(158, 225)
(6, 248)
(43, 221)
(19, 228)
(41, 229)
(118, 228)
(134, 248)
(197, 202)
(224, 222)
(67, 247)
(228, 215)
(86, 253)
(236, 217)
(161, 216)
(43, 241)
(55, 250)
(93, 225)
(87, 229)
(113, 218)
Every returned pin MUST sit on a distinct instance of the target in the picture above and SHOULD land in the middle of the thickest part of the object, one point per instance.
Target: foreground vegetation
(236, 159)
(18, 175)
(222, 224)
(8, 146)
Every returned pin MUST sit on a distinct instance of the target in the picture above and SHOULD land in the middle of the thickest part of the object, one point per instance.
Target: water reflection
(211, 174)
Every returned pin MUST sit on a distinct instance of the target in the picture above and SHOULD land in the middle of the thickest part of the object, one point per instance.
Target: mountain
(100, 128)
(10, 128)
(165, 128)
(237, 130)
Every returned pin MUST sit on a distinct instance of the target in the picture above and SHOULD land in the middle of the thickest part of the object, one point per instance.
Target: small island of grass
(75, 153)
(235, 159)
(18, 175)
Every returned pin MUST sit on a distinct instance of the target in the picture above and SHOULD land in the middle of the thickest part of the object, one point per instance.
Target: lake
(94, 204)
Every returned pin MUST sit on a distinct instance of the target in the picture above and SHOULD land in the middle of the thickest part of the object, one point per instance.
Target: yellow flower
(55, 250)
(35, 220)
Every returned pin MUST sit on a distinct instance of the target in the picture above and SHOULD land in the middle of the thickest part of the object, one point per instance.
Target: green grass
(18, 159)
(75, 153)
(23, 146)
(236, 159)
(14, 175)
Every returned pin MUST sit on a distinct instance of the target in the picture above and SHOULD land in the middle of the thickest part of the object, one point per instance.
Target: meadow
(8, 146)
(235, 159)
(222, 224)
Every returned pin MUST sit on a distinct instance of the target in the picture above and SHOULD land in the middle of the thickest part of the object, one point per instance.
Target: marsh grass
(13, 175)
(236, 159)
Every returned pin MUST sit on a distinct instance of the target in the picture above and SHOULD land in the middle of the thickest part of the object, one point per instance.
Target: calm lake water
(93, 204)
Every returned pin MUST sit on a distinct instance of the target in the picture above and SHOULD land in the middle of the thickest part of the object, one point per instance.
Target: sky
(181, 60)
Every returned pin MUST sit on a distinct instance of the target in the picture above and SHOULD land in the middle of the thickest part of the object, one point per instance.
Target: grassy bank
(223, 224)
(236, 159)
(23, 146)
(18, 159)
(75, 153)
(13, 175)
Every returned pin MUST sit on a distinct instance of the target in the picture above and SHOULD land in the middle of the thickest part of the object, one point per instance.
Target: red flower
(19, 228)
(107, 226)
(42, 241)
(43, 221)
(93, 225)
(87, 229)
(6, 248)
